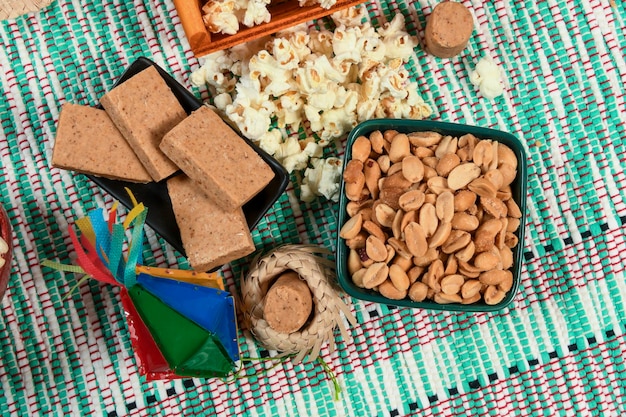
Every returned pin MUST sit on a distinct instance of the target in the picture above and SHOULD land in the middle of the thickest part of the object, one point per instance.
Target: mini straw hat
(319, 274)
(10, 9)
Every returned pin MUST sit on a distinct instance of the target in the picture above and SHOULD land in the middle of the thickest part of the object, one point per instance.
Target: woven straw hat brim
(318, 273)
(11, 9)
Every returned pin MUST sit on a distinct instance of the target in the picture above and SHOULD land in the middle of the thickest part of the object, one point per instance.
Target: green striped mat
(558, 350)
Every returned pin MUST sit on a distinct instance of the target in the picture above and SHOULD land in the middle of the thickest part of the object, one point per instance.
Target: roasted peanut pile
(431, 216)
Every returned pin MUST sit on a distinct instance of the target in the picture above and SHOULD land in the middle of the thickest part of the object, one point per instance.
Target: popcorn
(216, 72)
(274, 79)
(321, 41)
(398, 45)
(299, 160)
(219, 16)
(309, 80)
(225, 16)
(326, 4)
(321, 81)
(286, 54)
(292, 153)
(373, 47)
(321, 179)
(328, 71)
(271, 141)
(345, 44)
(298, 39)
(350, 16)
(255, 12)
(393, 28)
(395, 83)
(486, 76)
(335, 122)
(289, 110)
(221, 101)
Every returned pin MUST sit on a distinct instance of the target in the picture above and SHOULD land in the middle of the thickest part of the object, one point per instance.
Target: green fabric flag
(189, 349)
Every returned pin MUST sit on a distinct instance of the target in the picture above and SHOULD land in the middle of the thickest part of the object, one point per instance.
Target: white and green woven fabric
(558, 350)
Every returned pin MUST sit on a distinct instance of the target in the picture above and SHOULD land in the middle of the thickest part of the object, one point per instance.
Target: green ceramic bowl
(518, 190)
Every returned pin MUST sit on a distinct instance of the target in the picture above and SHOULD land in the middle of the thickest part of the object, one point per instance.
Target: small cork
(448, 29)
(288, 303)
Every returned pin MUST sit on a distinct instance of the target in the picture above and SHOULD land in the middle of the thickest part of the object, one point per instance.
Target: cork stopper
(288, 303)
(448, 29)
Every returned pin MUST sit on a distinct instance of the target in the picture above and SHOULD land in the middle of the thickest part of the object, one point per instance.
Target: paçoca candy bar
(87, 141)
(144, 109)
(223, 165)
(211, 236)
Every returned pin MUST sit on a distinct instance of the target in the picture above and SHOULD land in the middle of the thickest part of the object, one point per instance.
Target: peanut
(408, 217)
(377, 141)
(447, 163)
(412, 168)
(493, 295)
(464, 221)
(418, 291)
(486, 261)
(483, 187)
(384, 214)
(424, 138)
(400, 147)
(415, 239)
(462, 175)
(463, 200)
(448, 145)
(375, 275)
(431, 217)
(424, 261)
(352, 227)
(354, 261)
(374, 229)
(415, 273)
(404, 263)
(493, 206)
(411, 200)
(357, 277)
(445, 206)
(372, 173)
(428, 219)
(361, 148)
(451, 284)
(388, 290)
(470, 288)
(375, 249)
(457, 240)
(398, 277)
(441, 235)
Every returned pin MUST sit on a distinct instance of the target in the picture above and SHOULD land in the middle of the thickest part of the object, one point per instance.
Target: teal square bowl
(518, 188)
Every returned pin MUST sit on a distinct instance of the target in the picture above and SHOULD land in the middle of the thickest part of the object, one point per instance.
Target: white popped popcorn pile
(324, 82)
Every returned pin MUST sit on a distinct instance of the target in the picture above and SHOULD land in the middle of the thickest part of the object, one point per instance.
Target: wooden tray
(284, 14)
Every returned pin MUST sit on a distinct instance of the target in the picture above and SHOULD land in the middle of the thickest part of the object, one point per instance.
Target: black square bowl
(154, 195)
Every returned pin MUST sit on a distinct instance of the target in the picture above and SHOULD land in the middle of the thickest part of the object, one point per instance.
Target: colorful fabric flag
(182, 323)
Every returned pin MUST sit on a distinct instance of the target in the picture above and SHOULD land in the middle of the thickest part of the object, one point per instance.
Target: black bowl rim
(154, 195)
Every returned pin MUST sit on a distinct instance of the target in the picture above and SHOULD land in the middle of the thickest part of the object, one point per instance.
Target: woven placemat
(559, 349)
(10, 9)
